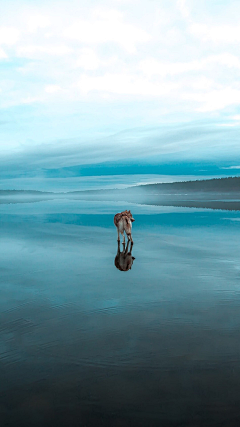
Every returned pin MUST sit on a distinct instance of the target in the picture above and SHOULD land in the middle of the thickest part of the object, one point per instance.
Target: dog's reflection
(124, 260)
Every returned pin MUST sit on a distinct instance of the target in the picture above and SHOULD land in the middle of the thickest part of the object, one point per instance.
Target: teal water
(85, 344)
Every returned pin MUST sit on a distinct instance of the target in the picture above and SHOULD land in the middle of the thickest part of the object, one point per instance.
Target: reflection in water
(124, 260)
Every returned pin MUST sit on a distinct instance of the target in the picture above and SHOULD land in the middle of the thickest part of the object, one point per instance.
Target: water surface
(85, 344)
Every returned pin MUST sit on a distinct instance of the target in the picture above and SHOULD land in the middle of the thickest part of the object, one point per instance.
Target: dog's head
(130, 216)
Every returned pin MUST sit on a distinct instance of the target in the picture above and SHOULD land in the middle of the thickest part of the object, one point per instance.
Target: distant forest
(217, 185)
(231, 184)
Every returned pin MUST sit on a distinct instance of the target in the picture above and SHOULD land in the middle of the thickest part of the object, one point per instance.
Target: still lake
(85, 344)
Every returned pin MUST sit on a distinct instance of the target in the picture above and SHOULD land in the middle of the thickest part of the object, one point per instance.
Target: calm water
(85, 344)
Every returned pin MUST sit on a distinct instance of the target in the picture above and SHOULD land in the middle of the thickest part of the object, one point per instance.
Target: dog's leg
(126, 251)
(130, 237)
(118, 239)
(118, 252)
(122, 233)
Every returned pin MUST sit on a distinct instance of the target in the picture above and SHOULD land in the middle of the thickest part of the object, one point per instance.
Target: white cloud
(228, 125)
(162, 60)
(217, 99)
(9, 35)
(227, 59)
(88, 60)
(107, 27)
(36, 22)
(124, 84)
(152, 66)
(235, 121)
(216, 33)
(3, 54)
(52, 89)
(182, 5)
(29, 100)
(37, 51)
(236, 117)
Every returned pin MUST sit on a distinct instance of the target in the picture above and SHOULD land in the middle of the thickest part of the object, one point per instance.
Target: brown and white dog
(123, 222)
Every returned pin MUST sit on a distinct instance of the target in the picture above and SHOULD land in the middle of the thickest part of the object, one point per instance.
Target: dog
(123, 222)
(124, 260)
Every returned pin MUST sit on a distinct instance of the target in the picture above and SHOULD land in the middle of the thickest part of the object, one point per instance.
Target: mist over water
(83, 343)
(90, 182)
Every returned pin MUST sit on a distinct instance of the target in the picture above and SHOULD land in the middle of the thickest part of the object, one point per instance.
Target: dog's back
(119, 216)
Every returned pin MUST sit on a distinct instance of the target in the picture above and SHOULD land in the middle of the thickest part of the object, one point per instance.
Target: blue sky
(108, 81)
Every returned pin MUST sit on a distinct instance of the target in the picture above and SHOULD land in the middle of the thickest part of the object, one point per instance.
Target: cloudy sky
(107, 81)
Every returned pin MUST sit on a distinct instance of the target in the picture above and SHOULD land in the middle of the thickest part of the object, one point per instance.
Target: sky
(118, 83)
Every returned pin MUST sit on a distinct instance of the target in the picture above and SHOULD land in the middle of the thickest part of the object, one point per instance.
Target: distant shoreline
(216, 193)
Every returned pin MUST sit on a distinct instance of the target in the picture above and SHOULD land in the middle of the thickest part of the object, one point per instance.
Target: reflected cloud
(124, 260)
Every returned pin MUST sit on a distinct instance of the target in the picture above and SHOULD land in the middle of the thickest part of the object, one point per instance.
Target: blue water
(85, 344)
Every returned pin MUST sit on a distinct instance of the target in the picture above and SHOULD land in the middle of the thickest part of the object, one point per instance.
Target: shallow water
(85, 344)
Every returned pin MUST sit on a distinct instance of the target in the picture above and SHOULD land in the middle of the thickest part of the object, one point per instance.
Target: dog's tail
(128, 222)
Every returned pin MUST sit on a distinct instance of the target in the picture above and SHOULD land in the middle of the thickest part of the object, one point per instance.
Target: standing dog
(123, 222)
